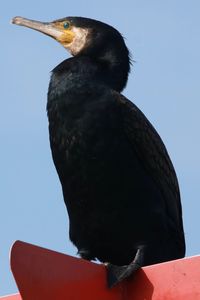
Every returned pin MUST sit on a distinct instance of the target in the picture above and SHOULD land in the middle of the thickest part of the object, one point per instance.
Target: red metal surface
(42, 274)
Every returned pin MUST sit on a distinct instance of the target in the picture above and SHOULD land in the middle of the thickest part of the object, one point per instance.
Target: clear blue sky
(164, 38)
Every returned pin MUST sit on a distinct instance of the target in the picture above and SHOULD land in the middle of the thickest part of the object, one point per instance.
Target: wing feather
(151, 151)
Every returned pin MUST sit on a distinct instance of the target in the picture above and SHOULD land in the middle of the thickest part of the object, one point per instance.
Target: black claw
(86, 254)
(116, 274)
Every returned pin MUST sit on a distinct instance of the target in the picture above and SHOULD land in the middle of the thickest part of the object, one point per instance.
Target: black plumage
(118, 182)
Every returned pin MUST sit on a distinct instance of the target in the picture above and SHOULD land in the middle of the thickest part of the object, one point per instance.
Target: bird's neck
(115, 63)
(108, 68)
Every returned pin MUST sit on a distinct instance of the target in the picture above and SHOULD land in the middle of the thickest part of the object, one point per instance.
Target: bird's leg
(116, 274)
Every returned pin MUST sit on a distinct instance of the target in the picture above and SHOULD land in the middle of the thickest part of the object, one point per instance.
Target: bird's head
(76, 34)
(88, 37)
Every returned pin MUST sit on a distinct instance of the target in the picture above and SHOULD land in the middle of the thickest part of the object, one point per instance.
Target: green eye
(66, 25)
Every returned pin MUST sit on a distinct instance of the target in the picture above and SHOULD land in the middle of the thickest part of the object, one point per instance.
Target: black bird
(118, 182)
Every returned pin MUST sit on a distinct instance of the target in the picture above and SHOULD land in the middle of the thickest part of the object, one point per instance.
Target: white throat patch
(79, 40)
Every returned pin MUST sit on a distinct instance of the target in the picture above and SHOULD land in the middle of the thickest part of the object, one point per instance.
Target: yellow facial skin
(56, 29)
(67, 35)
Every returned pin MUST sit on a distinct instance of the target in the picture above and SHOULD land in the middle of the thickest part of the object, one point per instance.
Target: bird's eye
(66, 25)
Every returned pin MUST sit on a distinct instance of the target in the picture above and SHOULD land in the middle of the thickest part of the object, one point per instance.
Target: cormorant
(118, 182)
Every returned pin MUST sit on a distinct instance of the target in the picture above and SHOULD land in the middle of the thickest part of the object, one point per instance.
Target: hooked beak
(52, 29)
(44, 27)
